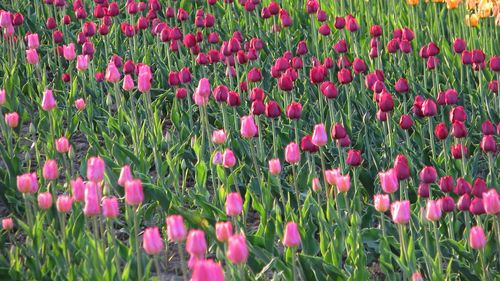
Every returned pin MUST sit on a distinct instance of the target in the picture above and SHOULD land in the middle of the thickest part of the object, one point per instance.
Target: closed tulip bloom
(375, 30)
(92, 198)
(292, 153)
(462, 187)
(416, 276)
(274, 166)
(307, 145)
(354, 157)
(78, 189)
(294, 110)
(207, 270)
(331, 176)
(463, 203)
(176, 231)
(44, 200)
(144, 79)
(228, 160)
(381, 202)
(446, 184)
(291, 237)
(110, 207)
(50, 171)
(458, 129)
(401, 86)
(400, 212)
(234, 204)
(428, 174)
(429, 108)
(125, 175)
(69, 51)
(12, 119)
(488, 144)
(128, 83)
(62, 145)
(477, 239)
(48, 100)
(479, 187)
(32, 56)
(134, 194)
(487, 128)
(319, 137)
(440, 131)
(495, 63)
(386, 103)
(447, 204)
(457, 149)
(219, 136)
(33, 41)
(343, 183)
(328, 90)
(423, 190)
(95, 169)
(80, 104)
(432, 211)
(3, 97)
(223, 230)
(7, 224)
(344, 76)
(152, 241)
(273, 110)
(237, 250)
(64, 203)
(248, 128)
(405, 122)
(285, 83)
(459, 45)
(196, 244)
(82, 62)
(389, 180)
(458, 114)
(112, 74)
(491, 202)
(203, 88)
(477, 206)
(316, 185)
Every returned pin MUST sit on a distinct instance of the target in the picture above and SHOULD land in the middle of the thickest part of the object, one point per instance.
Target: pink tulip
(80, 104)
(112, 74)
(95, 169)
(24, 183)
(417, 277)
(477, 239)
(152, 241)
(248, 128)
(3, 97)
(237, 251)
(331, 175)
(7, 224)
(32, 56)
(12, 119)
(196, 244)
(91, 207)
(176, 231)
(110, 207)
(219, 136)
(316, 185)
(62, 145)
(389, 181)
(432, 211)
(291, 238)
(69, 51)
(400, 211)
(125, 175)
(274, 166)
(78, 189)
(229, 160)
(50, 170)
(144, 79)
(223, 230)
(33, 41)
(292, 153)
(234, 204)
(45, 200)
(48, 100)
(319, 137)
(5, 19)
(203, 89)
(207, 270)
(343, 183)
(64, 203)
(82, 62)
(134, 194)
(382, 202)
(491, 202)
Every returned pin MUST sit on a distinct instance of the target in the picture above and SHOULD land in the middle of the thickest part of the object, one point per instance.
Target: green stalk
(183, 262)
(136, 240)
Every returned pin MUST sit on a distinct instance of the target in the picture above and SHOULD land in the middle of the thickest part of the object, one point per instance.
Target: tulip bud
(491, 202)
(95, 169)
(428, 174)
(196, 244)
(389, 180)
(479, 187)
(176, 231)
(62, 145)
(7, 224)
(423, 190)
(237, 251)
(292, 153)
(50, 171)
(274, 166)
(64, 203)
(381, 202)
(223, 230)
(353, 158)
(229, 160)
(432, 211)
(463, 203)
(48, 100)
(488, 144)
(400, 212)
(477, 206)
(45, 200)
(447, 204)
(134, 194)
(477, 239)
(291, 237)
(446, 184)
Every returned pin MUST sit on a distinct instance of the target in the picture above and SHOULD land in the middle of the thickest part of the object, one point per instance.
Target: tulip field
(212, 140)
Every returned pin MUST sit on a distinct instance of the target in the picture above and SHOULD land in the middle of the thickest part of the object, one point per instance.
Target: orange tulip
(472, 20)
(412, 2)
(452, 4)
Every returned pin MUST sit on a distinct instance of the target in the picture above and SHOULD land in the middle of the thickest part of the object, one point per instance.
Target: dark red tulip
(340, 46)
(297, 63)
(181, 93)
(488, 144)
(401, 86)
(233, 99)
(312, 6)
(458, 114)
(328, 90)
(463, 203)
(65, 77)
(307, 145)
(423, 52)
(354, 157)
(405, 46)
(446, 184)
(344, 142)
(258, 107)
(451, 96)
(477, 206)
(257, 94)
(456, 151)
(381, 116)
(317, 74)
(351, 23)
(285, 83)
(254, 75)
(51, 23)
(324, 30)
(459, 45)
(386, 103)
(447, 204)
(428, 174)
(339, 22)
(429, 108)
(301, 48)
(488, 128)
(495, 63)
(493, 86)
(173, 78)
(274, 8)
(359, 66)
(458, 129)
(462, 186)
(220, 93)
(432, 62)
(405, 122)
(273, 110)
(321, 16)
(423, 190)
(18, 19)
(401, 167)
(432, 49)
(375, 30)
(441, 131)
(466, 57)
(408, 34)
(344, 76)
(441, 99)
(479, 187)
(478, 56)
(393, 46)
(343, 62)
(338, 131)
(294, 110)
